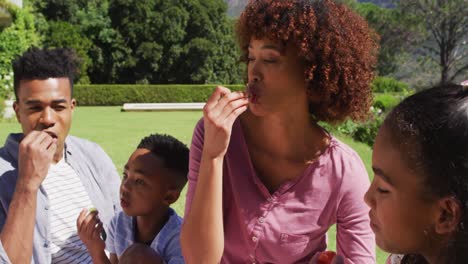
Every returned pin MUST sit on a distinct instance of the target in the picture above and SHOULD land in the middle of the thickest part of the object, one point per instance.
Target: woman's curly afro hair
(337, 46)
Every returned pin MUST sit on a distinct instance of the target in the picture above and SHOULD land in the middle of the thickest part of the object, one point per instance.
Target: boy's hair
(430, 129)
(41, 64)
(174, 154)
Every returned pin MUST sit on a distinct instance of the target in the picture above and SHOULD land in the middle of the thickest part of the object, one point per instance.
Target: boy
(153, 178)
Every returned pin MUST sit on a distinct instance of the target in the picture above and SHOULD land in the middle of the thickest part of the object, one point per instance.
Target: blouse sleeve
(355, 239)
(196, 150)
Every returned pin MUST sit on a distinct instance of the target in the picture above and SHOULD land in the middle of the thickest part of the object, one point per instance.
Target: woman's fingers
(233, 113)
(229, 99)
(225, 105)
(217, 94)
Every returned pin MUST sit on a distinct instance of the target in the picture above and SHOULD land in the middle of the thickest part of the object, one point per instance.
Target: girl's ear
(449, 215)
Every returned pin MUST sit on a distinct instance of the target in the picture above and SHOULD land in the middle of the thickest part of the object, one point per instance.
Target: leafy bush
(6, 85)
(2, 107)
(367, 132)
(107, 95)
(362, 132)
(388, 85)
(14, 40)
(385, 102)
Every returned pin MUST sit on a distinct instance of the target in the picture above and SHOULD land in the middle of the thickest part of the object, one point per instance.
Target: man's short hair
(41, 64)
(174, 154)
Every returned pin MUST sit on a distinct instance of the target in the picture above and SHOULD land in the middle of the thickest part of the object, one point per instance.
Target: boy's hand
(89, 230)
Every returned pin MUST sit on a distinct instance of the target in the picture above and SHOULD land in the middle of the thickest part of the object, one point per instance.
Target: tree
(64, 34)
(90, 19)
(109, 52)
(395, 34)
(151, 41)
(63, 10)
(176, 41)
(14, 40)
(446, 29)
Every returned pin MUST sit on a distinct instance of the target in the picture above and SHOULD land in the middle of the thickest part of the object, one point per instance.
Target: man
(46, 176)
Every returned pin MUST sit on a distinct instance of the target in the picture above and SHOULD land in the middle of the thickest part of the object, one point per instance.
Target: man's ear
(448, 216)
(16, 108)
(73, 104)
(171, 196)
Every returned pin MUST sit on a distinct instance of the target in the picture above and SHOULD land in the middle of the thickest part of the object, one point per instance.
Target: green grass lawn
(118, 133)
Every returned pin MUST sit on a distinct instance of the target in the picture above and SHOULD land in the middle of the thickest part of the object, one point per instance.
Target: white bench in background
(130, 107)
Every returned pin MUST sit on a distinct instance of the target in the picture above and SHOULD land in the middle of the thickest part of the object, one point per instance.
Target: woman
(266, 187)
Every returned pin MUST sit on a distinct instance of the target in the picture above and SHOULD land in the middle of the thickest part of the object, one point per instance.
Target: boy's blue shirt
(121, 235)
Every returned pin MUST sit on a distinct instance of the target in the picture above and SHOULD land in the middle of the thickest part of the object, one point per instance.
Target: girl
(267, 186)
(418, 197)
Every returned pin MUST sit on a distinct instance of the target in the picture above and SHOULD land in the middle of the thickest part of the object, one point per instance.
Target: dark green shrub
(367, 132)
(388, 85)
(361, 132)
(348, 127)
(108, 95)
(385, 102)
(379, 105)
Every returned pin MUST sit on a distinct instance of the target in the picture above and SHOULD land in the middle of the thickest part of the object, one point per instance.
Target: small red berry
(326, 257)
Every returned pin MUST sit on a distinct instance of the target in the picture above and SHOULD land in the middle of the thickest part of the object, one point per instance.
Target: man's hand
(35, 155)
(89, 230)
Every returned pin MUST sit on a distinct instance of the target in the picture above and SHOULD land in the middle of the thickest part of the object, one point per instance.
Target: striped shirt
(67, 196)
(166, 243)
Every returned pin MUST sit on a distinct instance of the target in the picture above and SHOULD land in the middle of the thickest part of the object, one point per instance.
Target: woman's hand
(221, 110)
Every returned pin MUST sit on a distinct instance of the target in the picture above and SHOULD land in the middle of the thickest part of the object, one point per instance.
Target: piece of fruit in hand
(103, 234)
(326, 257)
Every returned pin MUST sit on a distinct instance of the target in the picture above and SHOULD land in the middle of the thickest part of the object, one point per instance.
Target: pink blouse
(290, 225)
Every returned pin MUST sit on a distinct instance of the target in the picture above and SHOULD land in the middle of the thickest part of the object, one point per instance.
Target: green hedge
(108, 95)
(117, 95)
